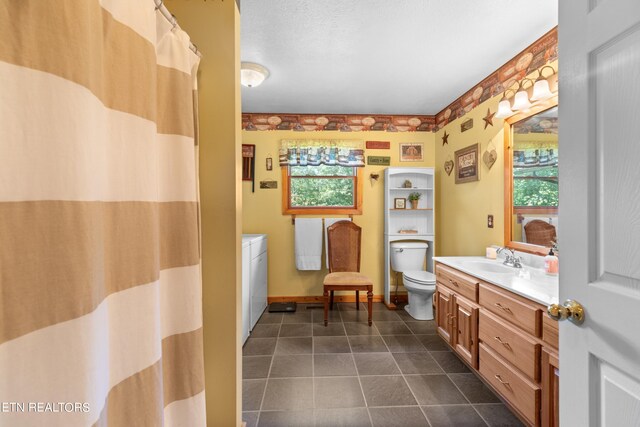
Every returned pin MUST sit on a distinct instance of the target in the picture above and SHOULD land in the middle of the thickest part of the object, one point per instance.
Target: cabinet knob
(571, 310)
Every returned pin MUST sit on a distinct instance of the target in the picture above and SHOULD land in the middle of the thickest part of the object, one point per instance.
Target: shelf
(419, 209)
(409, 189)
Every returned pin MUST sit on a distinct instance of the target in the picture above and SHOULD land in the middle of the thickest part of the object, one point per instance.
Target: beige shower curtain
(100, 284)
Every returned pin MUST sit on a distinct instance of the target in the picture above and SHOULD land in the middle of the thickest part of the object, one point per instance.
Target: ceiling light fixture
(252, 74)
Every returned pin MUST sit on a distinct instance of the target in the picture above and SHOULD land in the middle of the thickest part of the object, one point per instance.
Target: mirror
(531, 179)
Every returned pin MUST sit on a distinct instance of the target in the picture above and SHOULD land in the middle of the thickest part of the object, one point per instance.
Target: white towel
(308, 239)
(328, 222)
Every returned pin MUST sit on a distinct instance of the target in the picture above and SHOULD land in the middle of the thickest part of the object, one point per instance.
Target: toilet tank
(408, 256)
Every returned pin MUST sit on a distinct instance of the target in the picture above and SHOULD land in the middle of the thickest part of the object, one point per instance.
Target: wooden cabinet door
(550, 383)
(465, 330)
(444, 319)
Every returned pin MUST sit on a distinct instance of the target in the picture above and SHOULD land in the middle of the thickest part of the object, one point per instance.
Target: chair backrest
(344, 246)
(540, 233)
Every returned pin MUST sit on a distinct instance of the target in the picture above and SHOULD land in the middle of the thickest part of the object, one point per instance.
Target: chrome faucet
(511, 260)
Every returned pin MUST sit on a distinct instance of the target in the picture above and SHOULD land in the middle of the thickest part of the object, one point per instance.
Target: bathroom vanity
(494, 317)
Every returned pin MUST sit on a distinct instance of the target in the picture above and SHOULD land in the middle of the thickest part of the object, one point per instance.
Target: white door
(599, 120)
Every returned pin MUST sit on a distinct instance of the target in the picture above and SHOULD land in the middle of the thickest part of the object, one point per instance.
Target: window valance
(309, 152)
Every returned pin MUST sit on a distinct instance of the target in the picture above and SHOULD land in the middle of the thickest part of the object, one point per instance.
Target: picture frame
(411, 152)
(467, 164)
(399, 203)
(269, 163)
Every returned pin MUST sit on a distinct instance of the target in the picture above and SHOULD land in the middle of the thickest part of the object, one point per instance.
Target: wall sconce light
(521, 99)
(504, 107)
(540, 90)
(252, 74)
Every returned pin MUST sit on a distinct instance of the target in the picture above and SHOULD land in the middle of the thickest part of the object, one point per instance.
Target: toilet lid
(420, 277)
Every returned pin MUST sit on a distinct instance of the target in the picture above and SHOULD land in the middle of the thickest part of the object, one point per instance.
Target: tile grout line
(407, 382)
(364, 398)
(434, 359)
(454, 383)
(273, 356)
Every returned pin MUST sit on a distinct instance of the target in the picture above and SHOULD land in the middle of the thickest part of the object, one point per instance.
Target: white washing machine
(254, 279)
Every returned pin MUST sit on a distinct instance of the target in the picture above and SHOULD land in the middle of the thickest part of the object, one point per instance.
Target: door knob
(571, 310)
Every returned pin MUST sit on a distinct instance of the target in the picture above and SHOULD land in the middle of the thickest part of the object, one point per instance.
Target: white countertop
(531, 283)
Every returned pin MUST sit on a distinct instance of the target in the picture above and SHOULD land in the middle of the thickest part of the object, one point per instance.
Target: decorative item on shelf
(269, 163)
(490, 155)
(407, 231)
(445, 138)
(488, 119)
(407, 184)
(399, 203)
(466, 125)
(466, 164)
(448, 165)
(411, 152)
(413, 198)
(540, 90)
(252, 74)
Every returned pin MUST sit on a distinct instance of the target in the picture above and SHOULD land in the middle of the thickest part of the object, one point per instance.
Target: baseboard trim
(336, 298)
(320, 298)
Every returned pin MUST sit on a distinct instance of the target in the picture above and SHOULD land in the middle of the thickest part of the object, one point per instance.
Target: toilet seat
(420, 278)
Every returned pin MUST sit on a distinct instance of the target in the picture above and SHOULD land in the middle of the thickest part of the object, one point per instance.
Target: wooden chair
(540, 233)
(344, 266)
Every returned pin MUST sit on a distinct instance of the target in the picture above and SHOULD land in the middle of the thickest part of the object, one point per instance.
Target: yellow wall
(263, 212)
(462, 209)
(213, 25)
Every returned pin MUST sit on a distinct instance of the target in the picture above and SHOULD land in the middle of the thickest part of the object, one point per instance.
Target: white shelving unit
(420, 220)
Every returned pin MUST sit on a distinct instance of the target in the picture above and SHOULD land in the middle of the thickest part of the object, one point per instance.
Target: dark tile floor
(296, 372)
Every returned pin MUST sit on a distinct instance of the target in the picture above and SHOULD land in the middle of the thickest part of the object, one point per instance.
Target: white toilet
(408, 258)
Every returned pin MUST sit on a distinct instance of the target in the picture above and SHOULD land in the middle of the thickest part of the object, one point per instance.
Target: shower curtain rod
(173, 21)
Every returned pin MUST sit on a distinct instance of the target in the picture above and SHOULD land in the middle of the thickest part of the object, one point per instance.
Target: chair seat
(346, 279)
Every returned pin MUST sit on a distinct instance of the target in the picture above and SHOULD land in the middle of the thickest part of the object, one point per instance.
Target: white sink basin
(488, 267)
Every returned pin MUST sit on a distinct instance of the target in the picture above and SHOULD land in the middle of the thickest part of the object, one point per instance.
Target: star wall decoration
(445, 138)
(488, 119)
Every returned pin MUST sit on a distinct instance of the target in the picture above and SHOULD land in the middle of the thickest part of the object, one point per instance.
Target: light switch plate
(490, 221)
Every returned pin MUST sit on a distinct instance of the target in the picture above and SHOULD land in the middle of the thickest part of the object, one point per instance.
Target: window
(321, 177)
(322, 189)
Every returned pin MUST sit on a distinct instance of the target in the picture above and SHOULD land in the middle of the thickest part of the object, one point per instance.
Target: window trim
(286, 197)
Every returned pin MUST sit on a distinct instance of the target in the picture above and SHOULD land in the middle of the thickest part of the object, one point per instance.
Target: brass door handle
(571, 310)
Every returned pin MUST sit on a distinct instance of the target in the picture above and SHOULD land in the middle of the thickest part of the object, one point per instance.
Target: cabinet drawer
(461, 283)
(515, 347)
(513, 386)
(523, 315)
(549, 331)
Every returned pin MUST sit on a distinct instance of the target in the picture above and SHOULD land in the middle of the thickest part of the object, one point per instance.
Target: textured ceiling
(381, 57)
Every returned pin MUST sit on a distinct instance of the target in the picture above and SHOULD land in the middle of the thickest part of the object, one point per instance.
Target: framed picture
(411, 152)
(269, 163)
(467, 165)
(399, 203)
